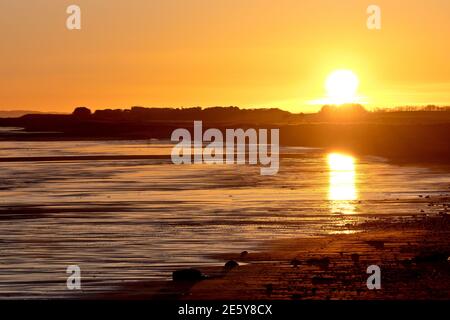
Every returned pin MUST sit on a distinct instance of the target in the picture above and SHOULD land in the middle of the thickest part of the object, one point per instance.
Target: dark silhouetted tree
(81, 112)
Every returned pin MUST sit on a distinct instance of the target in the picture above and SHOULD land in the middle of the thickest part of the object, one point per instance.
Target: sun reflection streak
(342, 189)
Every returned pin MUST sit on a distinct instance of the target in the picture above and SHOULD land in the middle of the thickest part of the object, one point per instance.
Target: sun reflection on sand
(342, 189)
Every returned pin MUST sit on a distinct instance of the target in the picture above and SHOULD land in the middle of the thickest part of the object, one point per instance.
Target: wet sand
(129, 223)
(412, 253)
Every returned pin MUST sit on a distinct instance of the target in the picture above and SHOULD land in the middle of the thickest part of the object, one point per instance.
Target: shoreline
(412, 253)
(405, 250)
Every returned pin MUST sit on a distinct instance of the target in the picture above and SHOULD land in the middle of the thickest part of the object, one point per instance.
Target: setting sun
(342, 86)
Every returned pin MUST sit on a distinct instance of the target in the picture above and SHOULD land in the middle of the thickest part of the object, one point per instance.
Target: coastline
(413, 257)
(412, 253)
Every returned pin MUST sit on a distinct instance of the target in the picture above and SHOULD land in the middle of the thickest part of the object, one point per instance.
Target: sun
(342, 87)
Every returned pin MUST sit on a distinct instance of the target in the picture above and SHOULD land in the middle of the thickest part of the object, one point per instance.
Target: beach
(412, 254)
(129, 222)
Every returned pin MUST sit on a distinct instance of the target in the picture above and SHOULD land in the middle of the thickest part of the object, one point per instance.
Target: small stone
(231, 265)
(323, 263)
(244, 253)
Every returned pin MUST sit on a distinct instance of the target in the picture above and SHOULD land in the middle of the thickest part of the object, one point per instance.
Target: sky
(248, 53)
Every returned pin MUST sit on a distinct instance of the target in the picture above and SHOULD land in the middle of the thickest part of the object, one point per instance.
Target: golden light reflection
(342, 189)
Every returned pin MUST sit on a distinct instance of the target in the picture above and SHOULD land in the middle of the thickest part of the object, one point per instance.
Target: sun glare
(340, 162)
(342, 86)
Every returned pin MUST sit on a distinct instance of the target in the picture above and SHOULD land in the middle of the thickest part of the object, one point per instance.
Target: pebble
(244, 253)
(324, 262)
(231, 264)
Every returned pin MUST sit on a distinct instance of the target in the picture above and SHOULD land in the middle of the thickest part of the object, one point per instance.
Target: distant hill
(17, 113)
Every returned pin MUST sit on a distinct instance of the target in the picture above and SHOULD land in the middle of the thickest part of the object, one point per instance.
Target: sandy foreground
(412, 252)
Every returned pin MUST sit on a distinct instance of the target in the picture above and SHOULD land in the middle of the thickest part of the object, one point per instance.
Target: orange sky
(250, 53)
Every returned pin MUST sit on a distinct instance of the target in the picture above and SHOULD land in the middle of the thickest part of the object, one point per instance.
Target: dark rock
(187, 275)
(323, 263)
(231, 265)
(244, 253)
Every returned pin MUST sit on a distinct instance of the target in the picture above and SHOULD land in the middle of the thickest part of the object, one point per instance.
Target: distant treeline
(218, 114)
(430, 107)
(213, 114)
